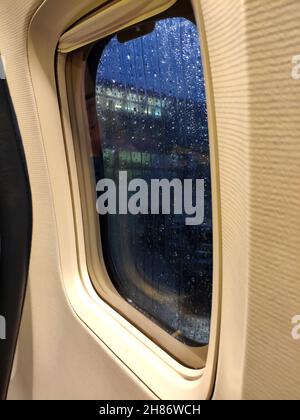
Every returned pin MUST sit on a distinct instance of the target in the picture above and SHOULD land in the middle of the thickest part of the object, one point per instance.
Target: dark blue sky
(166, 61)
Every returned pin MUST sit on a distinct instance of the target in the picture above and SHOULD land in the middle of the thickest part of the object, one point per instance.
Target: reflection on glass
(151, 108)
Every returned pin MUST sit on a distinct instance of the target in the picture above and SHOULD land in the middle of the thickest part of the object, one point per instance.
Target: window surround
(178, 372)
(192, 357)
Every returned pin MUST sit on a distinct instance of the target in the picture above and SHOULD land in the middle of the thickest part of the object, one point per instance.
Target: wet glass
(151, 108)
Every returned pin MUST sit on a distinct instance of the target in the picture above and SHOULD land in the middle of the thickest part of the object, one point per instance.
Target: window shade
(115, 16)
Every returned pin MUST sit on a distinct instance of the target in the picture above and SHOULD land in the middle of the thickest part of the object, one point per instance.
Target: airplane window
(150, 154)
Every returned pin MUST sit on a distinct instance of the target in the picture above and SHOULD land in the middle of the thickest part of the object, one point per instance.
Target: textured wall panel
(272, 368)
(251, 43)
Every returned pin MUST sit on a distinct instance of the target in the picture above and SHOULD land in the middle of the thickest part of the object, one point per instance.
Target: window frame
(95, 264)
(191, 357)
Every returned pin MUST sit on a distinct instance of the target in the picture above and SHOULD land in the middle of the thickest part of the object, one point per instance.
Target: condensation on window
(151, 107)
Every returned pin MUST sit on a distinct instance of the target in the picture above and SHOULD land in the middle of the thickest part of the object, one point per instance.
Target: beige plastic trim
(113, 17)
(165, 376)
(73, 345)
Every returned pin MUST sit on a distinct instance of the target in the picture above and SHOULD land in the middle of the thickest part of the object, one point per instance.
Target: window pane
(151, 109)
